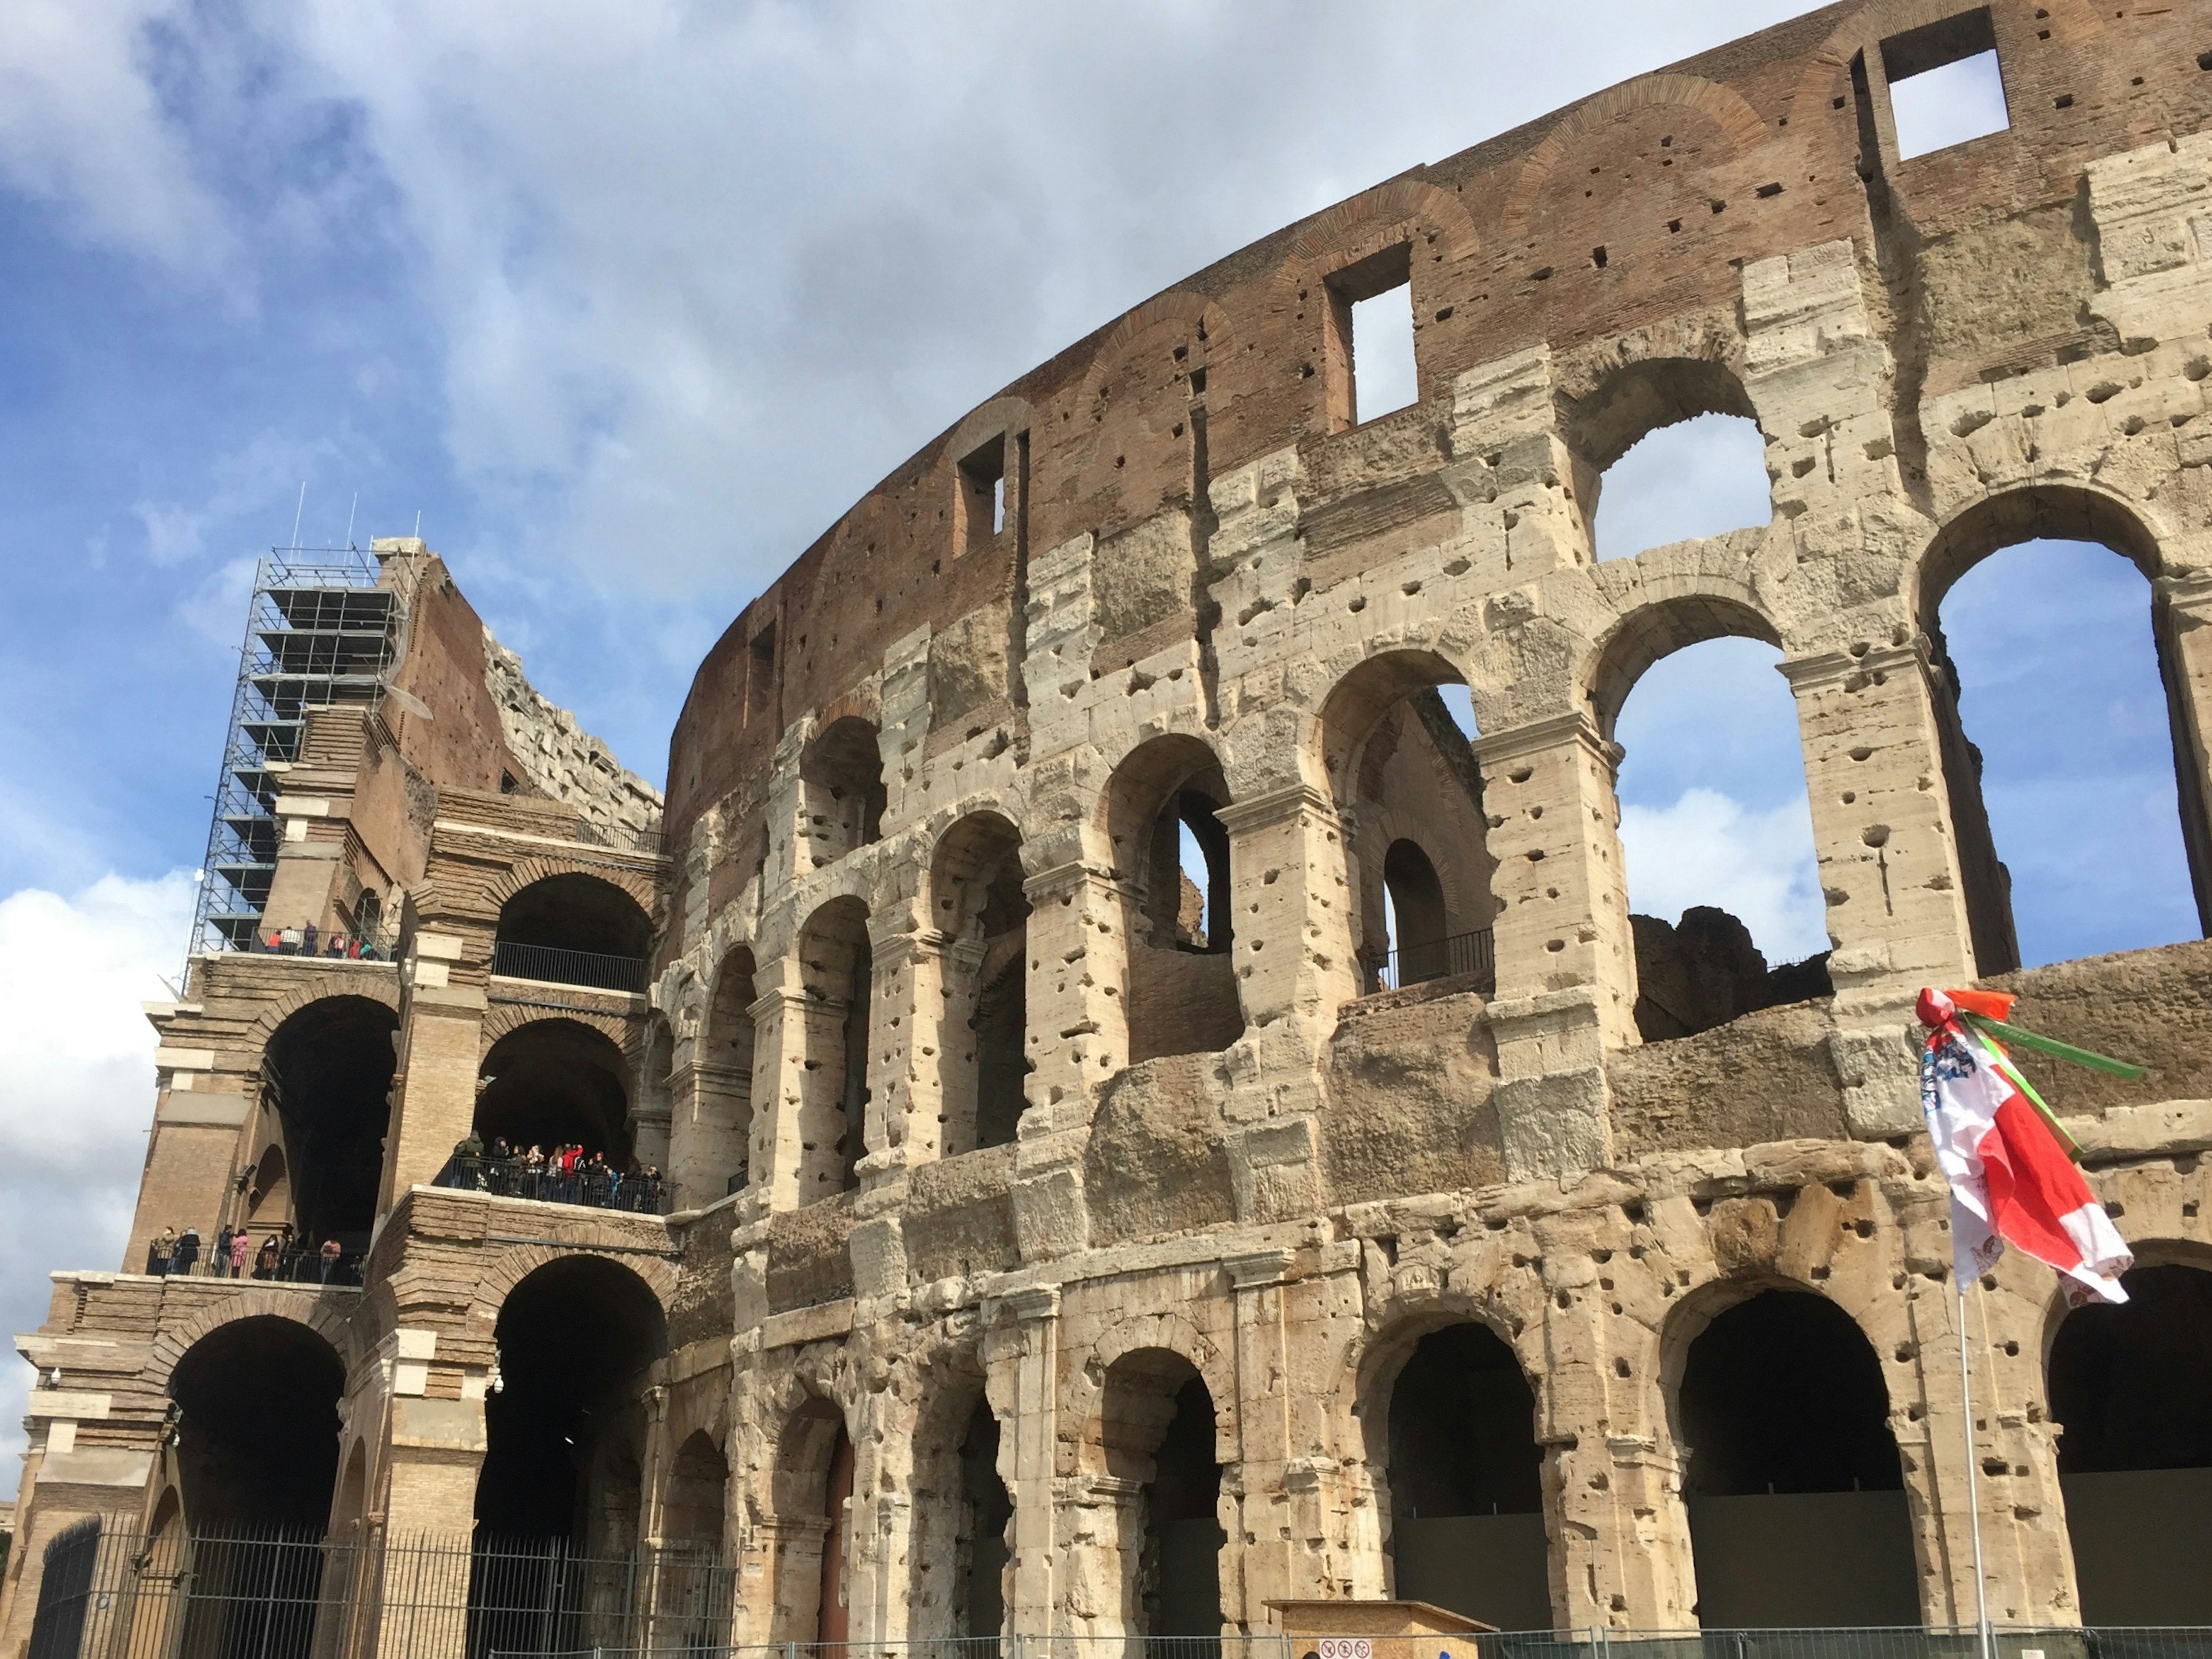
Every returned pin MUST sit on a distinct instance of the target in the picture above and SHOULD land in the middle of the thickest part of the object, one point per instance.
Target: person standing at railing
(239, 1243)
(187, 1253)
(161, 1252)
(264, 1264)
(219, 1262)
(330, 1252)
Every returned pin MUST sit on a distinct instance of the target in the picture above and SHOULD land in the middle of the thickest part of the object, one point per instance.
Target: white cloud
(1698, 477)
(82, 125)
(76, 1083)
(1707, 849)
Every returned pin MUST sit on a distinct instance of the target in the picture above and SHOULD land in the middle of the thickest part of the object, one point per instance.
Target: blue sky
(628, 299)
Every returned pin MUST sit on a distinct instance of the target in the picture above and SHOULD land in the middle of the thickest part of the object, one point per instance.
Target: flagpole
(1973, 1486)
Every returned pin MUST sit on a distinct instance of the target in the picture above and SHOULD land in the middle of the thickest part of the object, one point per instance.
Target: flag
(2012, 1179)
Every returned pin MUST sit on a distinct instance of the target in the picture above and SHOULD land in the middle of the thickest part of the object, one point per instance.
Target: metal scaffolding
(319, 633)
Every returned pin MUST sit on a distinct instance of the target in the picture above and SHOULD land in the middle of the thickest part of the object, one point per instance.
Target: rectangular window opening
(1371, 369)
(1945, 85)
(982, 504)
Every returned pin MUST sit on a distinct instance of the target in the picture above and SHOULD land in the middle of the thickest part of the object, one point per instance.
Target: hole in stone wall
(1181, 992)
(981, 508)
(2060, 750)
(977, 901)
(1945, 84)
(1371, 345)
(837, 969)
(1717, 836)
(1701, 477)
(843, 793)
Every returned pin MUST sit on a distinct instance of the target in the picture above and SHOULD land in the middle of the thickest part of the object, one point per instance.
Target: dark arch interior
(2131, 1389)
(986, 1512)
(552, 1082)
(1156, 1427)
(573, 1338)
(1417, 909)
(576, 913)
(328, 1071)
(1797, 1511)
(845, 770)
(1466, 1491)
(692, 1504)
(257, 1435)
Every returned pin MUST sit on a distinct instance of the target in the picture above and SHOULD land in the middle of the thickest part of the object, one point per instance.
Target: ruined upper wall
(1633, 210)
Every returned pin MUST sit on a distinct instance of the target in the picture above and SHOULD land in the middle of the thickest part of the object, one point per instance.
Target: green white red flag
(2009, 1166)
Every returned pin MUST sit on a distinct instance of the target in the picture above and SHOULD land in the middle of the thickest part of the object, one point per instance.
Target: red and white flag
(2012, 1182)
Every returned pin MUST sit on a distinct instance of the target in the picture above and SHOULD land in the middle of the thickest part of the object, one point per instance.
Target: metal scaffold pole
(1973, 1484)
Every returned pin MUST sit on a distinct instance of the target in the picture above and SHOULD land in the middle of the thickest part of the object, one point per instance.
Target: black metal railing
(552, 965)
(298, 1262)
(593, 1186)
(622, 837)
(1461, 955)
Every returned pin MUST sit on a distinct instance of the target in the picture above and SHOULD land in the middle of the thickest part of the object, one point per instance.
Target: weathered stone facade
(966, 1103)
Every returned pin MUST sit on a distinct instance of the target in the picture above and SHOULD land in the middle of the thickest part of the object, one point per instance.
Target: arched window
(565, 1431)
(574, 930)
(1172, 855)
(554, 1083)
(1396, 736)
(1666, 450)
(841, 776)
(1466, 1494)
(986, 1512)
(2128, 1389)
(1157, 1432)
(1795, 1494)
(258, 1426)
(979, 905)
(696, 1493)
(813, 1488)
(1715, 823)
(837, 968)
(2062, 749)
(326, 1075)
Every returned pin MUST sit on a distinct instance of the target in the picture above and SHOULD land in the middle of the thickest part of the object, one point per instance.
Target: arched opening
(841, 778)
(1171, 853)
(1156, 1433)
(1666, 450)
(552, 1084)
(1466, 1491)
(715, 1127)
(1397, 747)
(1791, 1473)
(978, 905)
(269, 1189)
(986, 1512)
(813, 1493)
(837, 969)
(1715, 827)
(326, 1074)
(693, 1500)
(565, 1429)
(2131, 1391)
(352, 1506)
(574, 929)
(958, 1553)
(256, 1431)
(2062, 711)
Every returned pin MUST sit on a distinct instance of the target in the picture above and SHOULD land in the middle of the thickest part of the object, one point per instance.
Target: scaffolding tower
(320, 632)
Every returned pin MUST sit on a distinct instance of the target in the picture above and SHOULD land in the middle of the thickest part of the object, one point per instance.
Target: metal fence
(595, 1186)
(550, 965)
(112, 1594)
(1444, 958)
(302, 1263)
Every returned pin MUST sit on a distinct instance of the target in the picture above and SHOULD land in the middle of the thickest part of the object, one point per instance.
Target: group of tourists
(308, 941)
(568, 1174)
(282, 1256)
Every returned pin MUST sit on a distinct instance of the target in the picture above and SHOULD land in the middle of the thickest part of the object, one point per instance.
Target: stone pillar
(1029, 1448)
(441, 1050)
(1259, 1495)
(914, 1047)
(2182, 622)
(799, 1062)
(1078, 1038)
(709, 1135)
(1566, 959)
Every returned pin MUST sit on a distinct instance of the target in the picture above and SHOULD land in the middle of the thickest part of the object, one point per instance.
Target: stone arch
(503, 1019)
(1737, 122)
(1410, 207)
(1631, 400)
(1645, 633)
(1001, 415)
(517, 1263)
(959, 1509)
(811, 1477)
(841, 771)
(257, 1403)
(325, 1098)
(526, 873)
(1376, 1360)
(326, 1316)
(559, 1079)
(369, 985)
(1985, 525)
(1165, 1333)
(977, 902)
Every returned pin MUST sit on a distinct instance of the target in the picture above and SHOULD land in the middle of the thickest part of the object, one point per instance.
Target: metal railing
(379, 943)
(296, 1263)
(1462, 954)
(622, 837)
(593, 1186)
(551, 965)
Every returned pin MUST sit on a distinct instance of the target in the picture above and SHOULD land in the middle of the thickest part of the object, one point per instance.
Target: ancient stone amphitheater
(1163, 1126)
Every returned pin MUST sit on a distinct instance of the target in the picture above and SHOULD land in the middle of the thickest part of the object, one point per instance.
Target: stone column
(1078, 1038)
(914, 1047)
(441, 1050)
(706, 1144)
(2182, 622)
(1566, 959)
(1291, 945)
(1029, 1451)
(1261, 1506)
(779, 1016)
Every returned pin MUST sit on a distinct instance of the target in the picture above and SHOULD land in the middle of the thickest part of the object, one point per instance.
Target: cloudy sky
(627, 299)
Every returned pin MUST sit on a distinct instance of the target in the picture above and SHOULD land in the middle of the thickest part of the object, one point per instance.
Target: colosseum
(1101, 1109)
